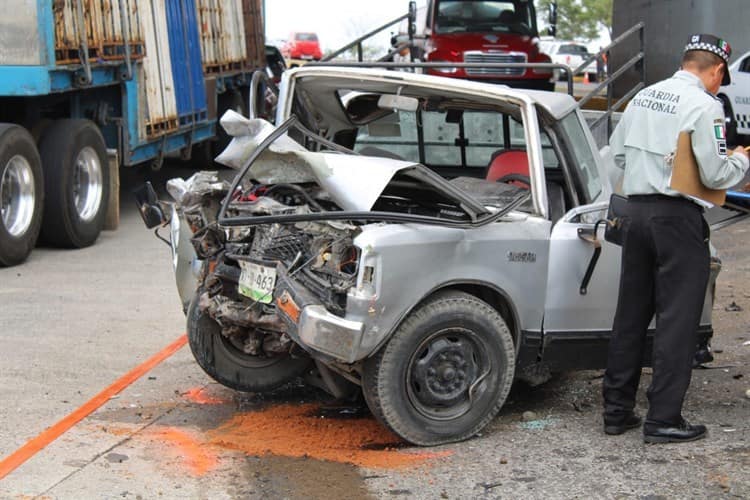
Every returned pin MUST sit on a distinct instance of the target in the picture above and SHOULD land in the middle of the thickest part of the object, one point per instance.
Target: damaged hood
(354, 182)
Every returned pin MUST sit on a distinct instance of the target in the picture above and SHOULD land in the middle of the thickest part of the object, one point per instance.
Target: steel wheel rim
(445, 374)
(87, 184)
(17, 195)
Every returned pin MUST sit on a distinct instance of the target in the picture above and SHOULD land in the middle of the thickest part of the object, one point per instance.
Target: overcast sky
(337, 22)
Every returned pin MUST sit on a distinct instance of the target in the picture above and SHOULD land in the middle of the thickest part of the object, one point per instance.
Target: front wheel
(445, 373)
(225, 361)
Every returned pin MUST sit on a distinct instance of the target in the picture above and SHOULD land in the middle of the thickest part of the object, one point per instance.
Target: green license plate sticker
(257, 282)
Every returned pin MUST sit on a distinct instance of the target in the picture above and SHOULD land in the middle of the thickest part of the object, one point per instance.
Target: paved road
(71, 322)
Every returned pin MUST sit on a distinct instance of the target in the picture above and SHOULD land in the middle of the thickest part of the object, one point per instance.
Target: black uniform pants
(665, 270)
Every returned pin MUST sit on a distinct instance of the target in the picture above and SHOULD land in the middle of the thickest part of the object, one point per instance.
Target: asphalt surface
(72, 322)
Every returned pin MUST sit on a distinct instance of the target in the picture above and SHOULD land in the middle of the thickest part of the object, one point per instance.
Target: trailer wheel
(231, 99)
(445, 372)
(74, 159)
(21, 194)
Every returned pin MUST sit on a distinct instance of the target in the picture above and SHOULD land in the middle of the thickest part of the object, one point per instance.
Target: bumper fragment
(311, 325)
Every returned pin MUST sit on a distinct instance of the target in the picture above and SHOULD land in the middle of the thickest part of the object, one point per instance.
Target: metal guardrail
(448, 65)
(358, 42)
(609, 81)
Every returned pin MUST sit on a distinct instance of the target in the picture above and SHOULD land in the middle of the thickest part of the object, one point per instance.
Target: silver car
(423, 241)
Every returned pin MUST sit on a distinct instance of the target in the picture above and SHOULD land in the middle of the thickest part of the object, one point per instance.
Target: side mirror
(412, 21)
(552, 18)
(149, 206)
(412, 12)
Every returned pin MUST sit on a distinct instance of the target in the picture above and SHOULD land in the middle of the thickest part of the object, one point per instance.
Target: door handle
(590, 235)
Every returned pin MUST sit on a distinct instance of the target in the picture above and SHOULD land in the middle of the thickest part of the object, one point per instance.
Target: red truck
(483, 31)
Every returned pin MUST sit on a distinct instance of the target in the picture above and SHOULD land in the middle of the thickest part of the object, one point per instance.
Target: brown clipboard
(686, 178)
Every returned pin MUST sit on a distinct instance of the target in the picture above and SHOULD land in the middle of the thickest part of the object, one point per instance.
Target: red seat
(508, 161)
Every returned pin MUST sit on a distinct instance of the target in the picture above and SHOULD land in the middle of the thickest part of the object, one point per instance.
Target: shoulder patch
(721, 139)
(719, 131)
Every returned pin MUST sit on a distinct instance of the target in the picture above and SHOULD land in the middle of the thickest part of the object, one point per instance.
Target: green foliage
(579, 19)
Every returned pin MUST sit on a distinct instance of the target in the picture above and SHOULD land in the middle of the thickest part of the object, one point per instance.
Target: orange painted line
(37, 444)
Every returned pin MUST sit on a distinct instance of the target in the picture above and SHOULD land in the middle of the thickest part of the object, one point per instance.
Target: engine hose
(298, 189)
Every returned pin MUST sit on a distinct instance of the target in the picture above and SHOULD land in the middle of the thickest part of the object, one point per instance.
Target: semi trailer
(88, 86)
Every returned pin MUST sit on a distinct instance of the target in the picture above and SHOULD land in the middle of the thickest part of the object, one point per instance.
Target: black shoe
(702, 355)
(615, 427)
(678, 433)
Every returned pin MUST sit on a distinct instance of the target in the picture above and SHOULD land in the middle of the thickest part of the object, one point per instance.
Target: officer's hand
(740, 150)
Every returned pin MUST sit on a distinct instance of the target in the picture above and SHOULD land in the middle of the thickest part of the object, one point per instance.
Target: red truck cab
(483, 31)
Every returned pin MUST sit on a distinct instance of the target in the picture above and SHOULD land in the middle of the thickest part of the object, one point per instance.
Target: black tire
(231, 367)
(234, 100)
(730, 123)
(73, 153)
(21, 198)
(418, 384)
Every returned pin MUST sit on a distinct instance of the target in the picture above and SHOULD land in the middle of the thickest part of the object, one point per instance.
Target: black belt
(664, 197)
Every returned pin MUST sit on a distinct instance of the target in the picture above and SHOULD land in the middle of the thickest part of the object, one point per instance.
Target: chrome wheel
(87, 183)
(17, 196)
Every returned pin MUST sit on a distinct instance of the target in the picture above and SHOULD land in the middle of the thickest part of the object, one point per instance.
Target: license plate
(257, 282)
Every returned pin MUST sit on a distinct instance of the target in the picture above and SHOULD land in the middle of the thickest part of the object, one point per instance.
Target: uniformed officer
(665, 254)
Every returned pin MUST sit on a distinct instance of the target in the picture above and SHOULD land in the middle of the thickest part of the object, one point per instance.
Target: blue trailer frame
(78, 82)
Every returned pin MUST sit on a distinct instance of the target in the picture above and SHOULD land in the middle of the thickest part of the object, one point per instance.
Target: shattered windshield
(467, 16)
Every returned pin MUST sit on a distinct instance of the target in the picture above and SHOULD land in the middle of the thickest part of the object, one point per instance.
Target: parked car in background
(572, 54)
(302, 45)
(736, 100)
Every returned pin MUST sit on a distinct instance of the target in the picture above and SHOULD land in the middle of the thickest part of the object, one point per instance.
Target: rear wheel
(226, 362)
(21, 194)
(445, 373)
(74, 158)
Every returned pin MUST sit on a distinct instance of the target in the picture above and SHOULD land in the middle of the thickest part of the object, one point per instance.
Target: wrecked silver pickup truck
(425, 241)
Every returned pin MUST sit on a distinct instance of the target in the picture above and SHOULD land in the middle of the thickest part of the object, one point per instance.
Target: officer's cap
(715, 45)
